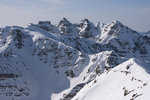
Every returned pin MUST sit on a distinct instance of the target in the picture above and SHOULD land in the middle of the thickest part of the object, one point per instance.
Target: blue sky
(133, 13)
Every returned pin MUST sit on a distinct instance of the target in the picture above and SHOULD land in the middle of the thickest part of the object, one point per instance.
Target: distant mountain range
(81, 61)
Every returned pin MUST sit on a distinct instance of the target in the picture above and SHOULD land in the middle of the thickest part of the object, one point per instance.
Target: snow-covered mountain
(74, 62)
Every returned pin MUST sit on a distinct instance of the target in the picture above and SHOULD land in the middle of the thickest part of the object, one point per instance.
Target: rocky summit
(74, 61)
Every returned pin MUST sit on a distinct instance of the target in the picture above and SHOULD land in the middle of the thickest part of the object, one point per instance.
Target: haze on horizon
(133, 13)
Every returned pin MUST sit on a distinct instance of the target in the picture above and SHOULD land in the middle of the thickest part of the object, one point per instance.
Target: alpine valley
(81, 61)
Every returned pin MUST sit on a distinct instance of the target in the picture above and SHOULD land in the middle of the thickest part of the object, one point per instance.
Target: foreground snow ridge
(82, 61)
(127, 81)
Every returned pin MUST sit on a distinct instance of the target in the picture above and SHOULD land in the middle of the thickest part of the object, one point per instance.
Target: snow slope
(127, 81)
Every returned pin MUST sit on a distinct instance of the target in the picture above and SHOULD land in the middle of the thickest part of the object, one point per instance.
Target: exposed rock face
(42, 60)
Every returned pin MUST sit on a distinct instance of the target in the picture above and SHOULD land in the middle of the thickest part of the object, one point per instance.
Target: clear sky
(133, 13)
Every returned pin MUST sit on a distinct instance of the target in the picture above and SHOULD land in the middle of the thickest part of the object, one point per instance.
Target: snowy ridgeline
(82, 61)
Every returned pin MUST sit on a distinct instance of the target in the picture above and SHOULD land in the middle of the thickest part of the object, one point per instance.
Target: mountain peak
(116, 24)
(67, 27)
(88, 29)
(85, 21)
(64, 19)
(64, 22)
